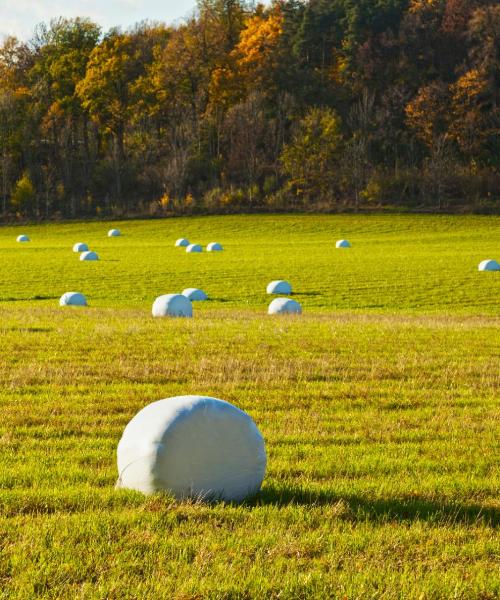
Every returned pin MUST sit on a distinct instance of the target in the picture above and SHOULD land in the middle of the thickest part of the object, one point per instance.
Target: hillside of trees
(296, 105)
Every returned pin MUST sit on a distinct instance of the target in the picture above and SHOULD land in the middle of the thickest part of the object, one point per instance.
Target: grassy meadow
(379, 406)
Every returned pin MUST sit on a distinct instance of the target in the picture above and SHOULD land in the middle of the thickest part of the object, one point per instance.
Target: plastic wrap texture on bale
(342, 244)
(72, 299)
(89, 255)
(194, 294)
(22, 238)
(182, 242)
(172, 305)
(489, 265)
(192, 446)
(284, 305)
(194, 248)
(80, 247)
(214, 247)
(279, 287)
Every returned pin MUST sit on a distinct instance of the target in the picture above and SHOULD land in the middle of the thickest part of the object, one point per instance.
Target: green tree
(310, 160)
(24, 195)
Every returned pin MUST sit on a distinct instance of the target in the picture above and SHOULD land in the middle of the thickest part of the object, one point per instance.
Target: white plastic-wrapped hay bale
(192, 447)
(72, 299)
(194, 248)
(89, 255)
(194, 294)
(172, 305)
(284, 305)
(489, 265)
(279, 287)
(22, 238)
(342, 244)
(214, 247)
(80, 247)
(182, 242)
(114, 233)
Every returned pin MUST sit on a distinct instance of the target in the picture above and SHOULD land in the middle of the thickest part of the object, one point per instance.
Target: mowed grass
(397, 263)
(379, 406)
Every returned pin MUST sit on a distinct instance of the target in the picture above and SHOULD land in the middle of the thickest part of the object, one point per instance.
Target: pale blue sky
(18, 17)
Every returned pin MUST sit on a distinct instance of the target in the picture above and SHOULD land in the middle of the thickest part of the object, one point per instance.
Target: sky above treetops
(19, 17)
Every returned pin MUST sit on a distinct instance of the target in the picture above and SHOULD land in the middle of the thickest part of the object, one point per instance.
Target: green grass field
(379, 406)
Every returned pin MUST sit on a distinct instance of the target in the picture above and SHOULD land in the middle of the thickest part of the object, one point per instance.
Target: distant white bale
(214, 247)
(489, 265)
(194, 294)
(89, 255)
(72, 299)
(114, 233)
(182, 242)
(194, 248)
(22, 238)
(279, 287)
(172, 305)
(284, 305)
(80, 247)
(192, 447)
(342, 244)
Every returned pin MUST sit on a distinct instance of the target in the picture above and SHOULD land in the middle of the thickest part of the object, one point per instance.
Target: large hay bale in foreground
(342, 244)
(192, 447)
(489, 265)
(182, 242)
(279, 287)
(214, 247)
(80, 247)
(114, 233)
(89, 255)
(172, 305)
(194, 294)
(22, 238)
(72, 299)
(284, 305)
(194, 248)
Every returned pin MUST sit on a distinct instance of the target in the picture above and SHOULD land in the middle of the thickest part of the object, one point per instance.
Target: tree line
(296, 105)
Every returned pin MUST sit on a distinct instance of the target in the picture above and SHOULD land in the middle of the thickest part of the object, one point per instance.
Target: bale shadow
(29, 299)
(391, 509)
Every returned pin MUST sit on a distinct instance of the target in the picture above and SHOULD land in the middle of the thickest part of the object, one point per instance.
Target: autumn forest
(296, 105)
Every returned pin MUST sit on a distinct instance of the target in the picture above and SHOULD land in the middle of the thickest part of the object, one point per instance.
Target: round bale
(89, 255)
(182, 242)
(279, 287)
(114, 233)
(192, 447)
(342, 244)
(72, 299)
(214, 247)
(194, 294)
(172, 305)
(489, 265)
(284, 305)
(80, 247)
(194, 248)
(22, 238)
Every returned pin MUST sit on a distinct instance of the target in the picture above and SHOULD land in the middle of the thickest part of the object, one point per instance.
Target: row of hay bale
(180, 305)
(488, 264)
(196, 248)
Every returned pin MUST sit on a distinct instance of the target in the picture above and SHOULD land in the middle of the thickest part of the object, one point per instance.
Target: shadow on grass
(399, 509)
(27, 329)
(29, 299)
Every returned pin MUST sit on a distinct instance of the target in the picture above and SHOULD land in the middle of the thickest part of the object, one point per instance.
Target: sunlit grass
(381, 423)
